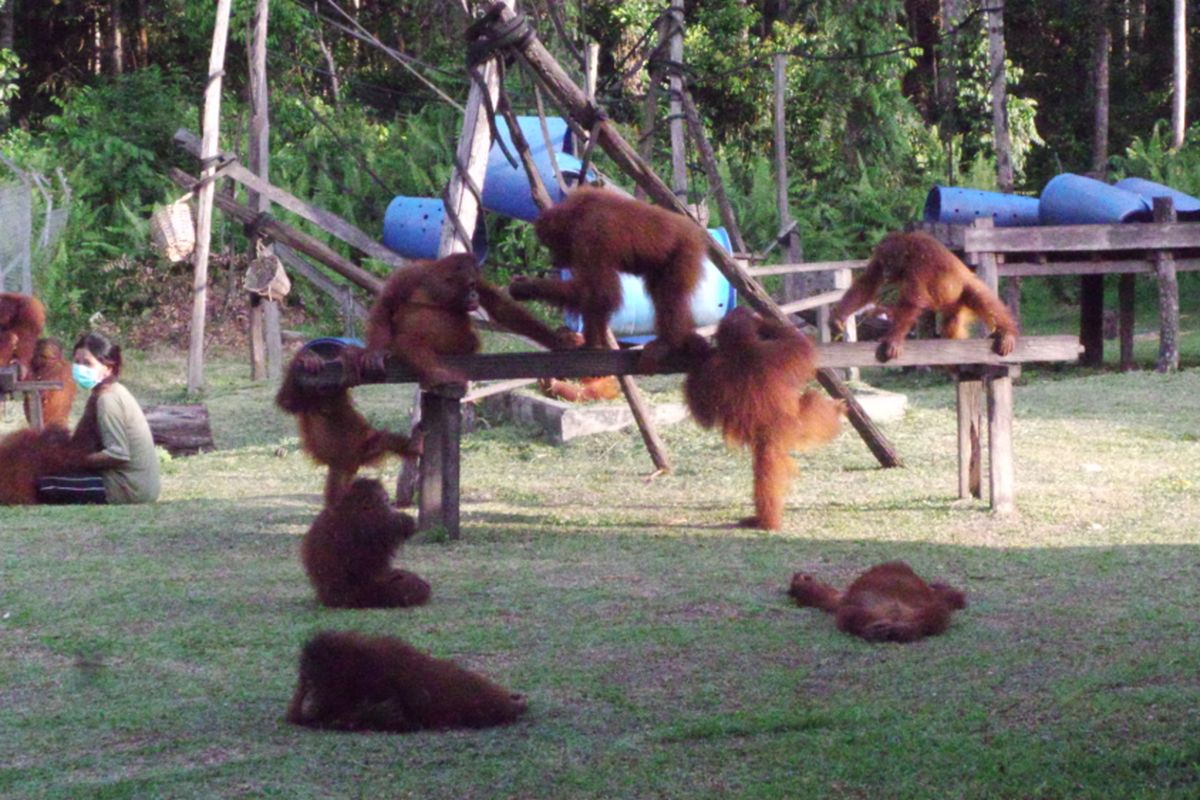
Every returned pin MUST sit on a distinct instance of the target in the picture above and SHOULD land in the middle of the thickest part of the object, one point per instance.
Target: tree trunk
(141, 46)
(115, 44)
(947, 82)
(1100, 92)
(999, 89)
(679, 177)
(1179, 107)
(7, 25)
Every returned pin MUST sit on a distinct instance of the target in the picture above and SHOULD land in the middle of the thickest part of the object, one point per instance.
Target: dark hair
(106, 351)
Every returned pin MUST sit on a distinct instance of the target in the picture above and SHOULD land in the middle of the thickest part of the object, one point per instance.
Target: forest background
(98, 87)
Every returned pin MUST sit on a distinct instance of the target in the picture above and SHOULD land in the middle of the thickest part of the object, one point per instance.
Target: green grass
(150, 652)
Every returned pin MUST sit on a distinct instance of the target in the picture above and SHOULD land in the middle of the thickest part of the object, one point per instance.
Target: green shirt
(125, 435)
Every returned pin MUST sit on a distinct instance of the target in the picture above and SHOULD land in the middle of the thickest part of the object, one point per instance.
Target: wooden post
(1091, 319)
(264, 312)
(441, 413)
(1168, 294)
(585, 113)
(969, 390)
(208, 151)
(985, 263)
(795, 285)
(1000, 448)
(1125, 304)
(679, 178)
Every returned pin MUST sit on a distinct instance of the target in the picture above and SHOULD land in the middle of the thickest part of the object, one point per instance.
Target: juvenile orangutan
(348, 552)
(332, 431)
(928, 277)
(351, 682)
(48, 364)
(597, 233)
(27, 455)
(21, 320)
(887, 603)
(751, 387)
(424, 312)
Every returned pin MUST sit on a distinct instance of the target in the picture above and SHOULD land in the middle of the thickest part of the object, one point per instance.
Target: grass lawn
(151, 651)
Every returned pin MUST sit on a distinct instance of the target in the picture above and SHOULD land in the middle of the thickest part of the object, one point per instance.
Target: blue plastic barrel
(633, 322)
(1186, 206)
(1078, 200)
(950, 204)
(412, 226)
(506, 187)
(328, 347)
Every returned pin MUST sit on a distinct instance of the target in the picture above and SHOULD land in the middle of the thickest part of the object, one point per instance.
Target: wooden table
(983, 390)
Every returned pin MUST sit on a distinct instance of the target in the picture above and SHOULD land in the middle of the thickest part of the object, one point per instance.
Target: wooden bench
(983, 390)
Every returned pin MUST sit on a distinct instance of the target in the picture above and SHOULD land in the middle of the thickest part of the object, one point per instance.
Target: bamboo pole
(208, 151)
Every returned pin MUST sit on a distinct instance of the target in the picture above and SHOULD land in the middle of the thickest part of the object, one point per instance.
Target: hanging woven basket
(172, 230)
(265, 276)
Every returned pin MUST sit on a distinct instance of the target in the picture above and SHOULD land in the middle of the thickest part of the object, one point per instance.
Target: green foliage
(1154, 158)
(10, 67)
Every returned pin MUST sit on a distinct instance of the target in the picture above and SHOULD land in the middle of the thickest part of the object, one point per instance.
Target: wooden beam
(1084, 238)
(813, 301)
(808, 266)
(584, 363)
(1107, 267)
(576, 104)
(1000, 449)
(325, 220)
(285, 233)
(969, 403)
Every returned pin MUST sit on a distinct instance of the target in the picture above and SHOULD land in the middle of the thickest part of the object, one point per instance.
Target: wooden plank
(1066, 238)
(986, 266)
(1000, 447)
(451, 461)
(969, 397)
(584, 363)
(809, 266)
(325, 220)
(815, 301)
(282, 232)
(1121, 266)
(259, 157)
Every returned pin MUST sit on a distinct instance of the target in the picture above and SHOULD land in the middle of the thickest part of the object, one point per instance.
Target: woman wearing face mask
(120, 465)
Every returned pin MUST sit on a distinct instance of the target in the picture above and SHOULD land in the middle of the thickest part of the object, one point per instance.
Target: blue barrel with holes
(955, 206)
(1078, 200)
(412, 226)
(506, 188)
(1186, 207)
(633, 322)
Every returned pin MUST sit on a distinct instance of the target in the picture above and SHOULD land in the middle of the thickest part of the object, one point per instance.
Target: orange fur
(752, 387)
(598, 233)
(27, 455)
(21, 320)
(887, 603)
(48, 364)
(423, 312)
(352, 682)
(348, 552)
(929, 278)
(332, 431)
(583, 390)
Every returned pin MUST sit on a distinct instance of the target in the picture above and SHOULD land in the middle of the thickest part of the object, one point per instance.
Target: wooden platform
(983, 390)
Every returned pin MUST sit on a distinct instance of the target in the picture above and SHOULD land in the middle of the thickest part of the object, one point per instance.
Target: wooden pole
(1000, 450)
(794, 286)
(1000, 134)
(1168, 294)
(266, 342)
(709, 159)
(587, 114)
(1179, 86)
(1125, 306)
(282, 232)
(208, 151)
